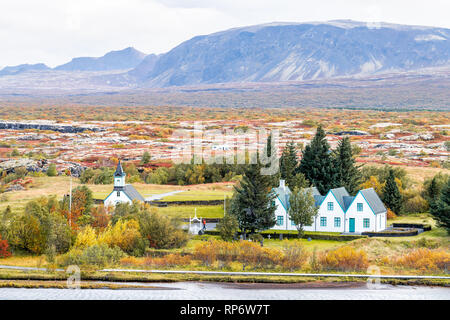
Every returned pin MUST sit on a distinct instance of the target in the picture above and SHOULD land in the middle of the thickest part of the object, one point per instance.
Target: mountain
(23, 68)
(297, 51)
(115, 60)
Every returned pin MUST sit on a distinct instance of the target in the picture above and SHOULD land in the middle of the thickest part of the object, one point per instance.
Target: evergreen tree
(252, 203)
(440, 209)
(272, 158)
(288, 164)
(300, 181)
(317, 163)
(391, 195)
(348, 174)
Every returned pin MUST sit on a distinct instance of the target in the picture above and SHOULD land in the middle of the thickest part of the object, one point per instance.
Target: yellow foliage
(426, 260)
(169, 260)
(344, 258)
(123, 234)
(373, 183)
(86, 238)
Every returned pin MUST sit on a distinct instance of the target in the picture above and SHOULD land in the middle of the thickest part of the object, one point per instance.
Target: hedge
(186, 203)
(425, 227)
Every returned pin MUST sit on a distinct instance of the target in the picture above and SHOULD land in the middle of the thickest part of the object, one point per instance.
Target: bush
(294, 256)
(390, 214)
(162, 232)
(96, 255)
(51, 171)
(4, 248)
(227, 227)
(246, 252)
(86, 238)
(417, 204)
(124, 235)
(169, 260)
(344, 259)
(426, 260)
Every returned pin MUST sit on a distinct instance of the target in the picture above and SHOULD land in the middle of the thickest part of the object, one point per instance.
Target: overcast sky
(54, 31)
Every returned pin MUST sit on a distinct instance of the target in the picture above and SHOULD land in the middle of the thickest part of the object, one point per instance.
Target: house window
(323, 221)
(279, 220)
(330, 206)
(359, 207)
(366, 223)
(292, 223)
(337, 222)
(118, 193)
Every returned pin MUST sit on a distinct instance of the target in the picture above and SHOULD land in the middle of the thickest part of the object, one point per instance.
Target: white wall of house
(333, 216)
(116, 197)
(365, 219)
(282, 217)
(330, 217)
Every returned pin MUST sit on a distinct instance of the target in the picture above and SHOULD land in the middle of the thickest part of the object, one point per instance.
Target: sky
(55, 31)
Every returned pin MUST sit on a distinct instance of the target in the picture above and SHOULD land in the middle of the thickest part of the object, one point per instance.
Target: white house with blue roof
(122, 192)
(338, 211)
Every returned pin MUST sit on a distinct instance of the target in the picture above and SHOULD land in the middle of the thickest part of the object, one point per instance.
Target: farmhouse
(122, 192)
(338, 211)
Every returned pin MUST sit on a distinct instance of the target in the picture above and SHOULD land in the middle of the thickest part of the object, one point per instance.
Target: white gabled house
(122, 192)
(338, 211)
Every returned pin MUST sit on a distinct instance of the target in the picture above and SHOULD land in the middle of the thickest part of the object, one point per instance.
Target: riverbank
(87, 277)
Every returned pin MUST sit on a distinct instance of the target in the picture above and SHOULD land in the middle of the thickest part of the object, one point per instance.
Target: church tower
(119, 177)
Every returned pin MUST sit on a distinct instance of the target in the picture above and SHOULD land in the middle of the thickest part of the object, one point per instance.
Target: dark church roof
(119, 171)
(130, 191)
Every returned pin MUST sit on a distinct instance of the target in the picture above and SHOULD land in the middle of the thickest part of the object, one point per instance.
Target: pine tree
(317, 163)
(440, 209)
(252, 203)
(272, 157)
(288, 164)
(348, 174)
(391, 195)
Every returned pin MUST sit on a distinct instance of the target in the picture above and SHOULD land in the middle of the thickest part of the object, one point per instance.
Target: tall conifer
(317, 163)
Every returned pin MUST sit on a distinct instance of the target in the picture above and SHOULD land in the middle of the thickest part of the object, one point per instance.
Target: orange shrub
(344, 259)
(130, 261)
(426, 260)
(294, 256)
(391, 214)
(169, 260)
(246, 252)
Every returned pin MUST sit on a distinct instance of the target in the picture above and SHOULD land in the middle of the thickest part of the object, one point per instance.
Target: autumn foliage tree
(4, 248)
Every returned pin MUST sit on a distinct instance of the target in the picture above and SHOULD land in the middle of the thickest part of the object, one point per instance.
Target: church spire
(119, 171)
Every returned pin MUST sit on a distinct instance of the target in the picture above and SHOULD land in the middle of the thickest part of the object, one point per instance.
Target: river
(229, 291)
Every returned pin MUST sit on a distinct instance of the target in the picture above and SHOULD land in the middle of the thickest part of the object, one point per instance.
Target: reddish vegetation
(4, 248)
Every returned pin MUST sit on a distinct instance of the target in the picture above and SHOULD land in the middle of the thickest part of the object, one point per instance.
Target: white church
(338, 211)
(122, 192)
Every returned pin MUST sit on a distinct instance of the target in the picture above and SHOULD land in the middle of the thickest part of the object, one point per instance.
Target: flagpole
(70, 201)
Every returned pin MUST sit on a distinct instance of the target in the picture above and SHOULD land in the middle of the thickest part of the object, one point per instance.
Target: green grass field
(189, 211)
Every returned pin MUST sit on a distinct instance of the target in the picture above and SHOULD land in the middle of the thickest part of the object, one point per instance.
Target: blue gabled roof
(373, 200)
(347, 202)
(339, 194)
(319, 200)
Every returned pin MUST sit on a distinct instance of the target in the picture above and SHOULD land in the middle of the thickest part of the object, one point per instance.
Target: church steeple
(119, 176)
(119, 171)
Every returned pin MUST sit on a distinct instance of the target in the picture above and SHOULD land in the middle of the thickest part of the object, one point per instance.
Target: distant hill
(270, 53)
(114, 60)
(23, 68)
(298, 51)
